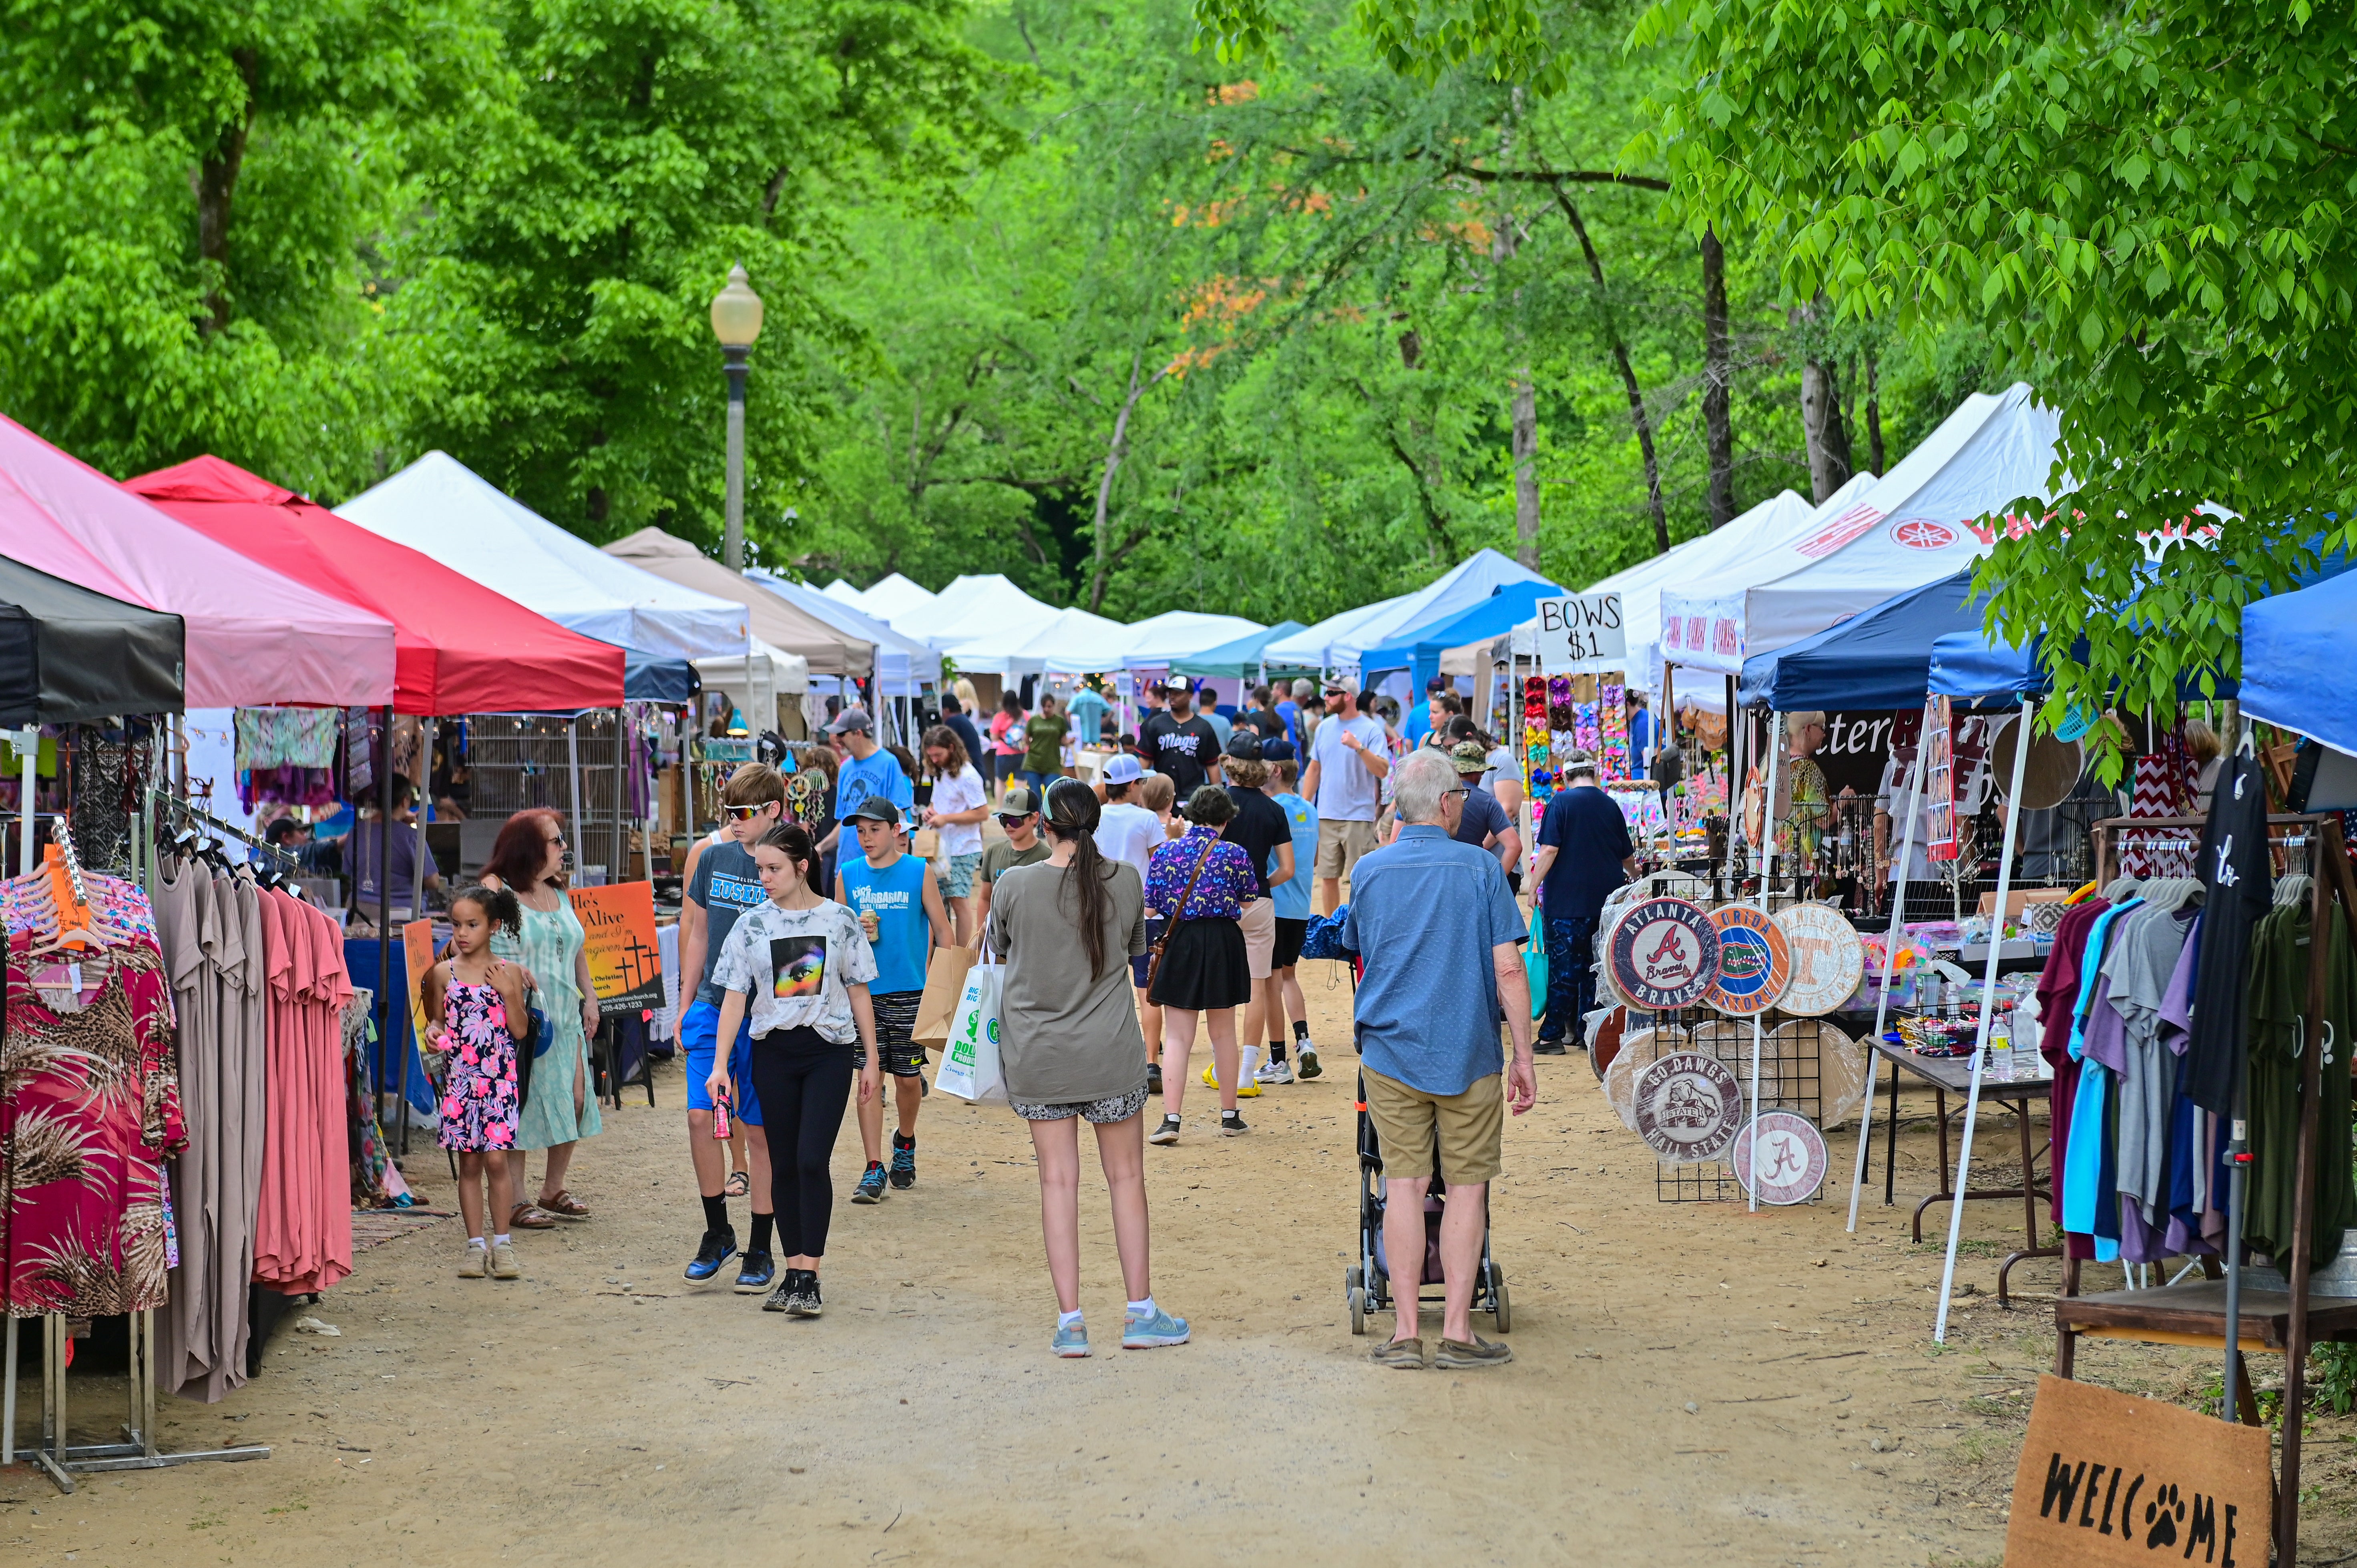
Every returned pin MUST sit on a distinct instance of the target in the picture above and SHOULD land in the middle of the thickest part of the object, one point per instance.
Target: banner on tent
(1703, 633)
(1581, 634)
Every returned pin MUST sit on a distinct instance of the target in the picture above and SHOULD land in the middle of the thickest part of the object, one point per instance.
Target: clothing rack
(136, 1450)
(2198, 1312)
(279, 869)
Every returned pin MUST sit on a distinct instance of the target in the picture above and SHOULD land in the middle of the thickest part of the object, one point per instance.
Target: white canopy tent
(989, 612)
(903, 663)
(892, 597)
(1726, 548)
(1919, 524)
(1308, 650)
(440, 508)
(1072, 642)
(755, 681)
(842, 593)
(1177, 634)
(1458, 589)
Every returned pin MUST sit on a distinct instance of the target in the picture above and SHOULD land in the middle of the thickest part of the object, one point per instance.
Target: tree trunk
(216, 190)
(1526, 476)
(1717, 378)
(1104, 554)
(1637, 414)
(1874, 413)
(1821, 425)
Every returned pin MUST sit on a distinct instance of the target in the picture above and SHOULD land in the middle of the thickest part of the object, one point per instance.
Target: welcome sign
(2106, 1477)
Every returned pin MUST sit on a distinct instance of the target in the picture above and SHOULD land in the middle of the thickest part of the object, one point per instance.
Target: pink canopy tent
(254, 637)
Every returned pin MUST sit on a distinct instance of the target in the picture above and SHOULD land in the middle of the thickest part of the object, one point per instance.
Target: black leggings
(804, 1081)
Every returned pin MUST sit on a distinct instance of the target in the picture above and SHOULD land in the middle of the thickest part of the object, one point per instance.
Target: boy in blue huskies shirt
(899, 907)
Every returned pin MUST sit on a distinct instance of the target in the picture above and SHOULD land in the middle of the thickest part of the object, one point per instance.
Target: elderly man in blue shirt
(1438, 929)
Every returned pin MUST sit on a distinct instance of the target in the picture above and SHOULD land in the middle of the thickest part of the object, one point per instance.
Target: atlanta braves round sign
(1753, 961)
(1664, 954)
(1688, 1107)
(1790, 1158)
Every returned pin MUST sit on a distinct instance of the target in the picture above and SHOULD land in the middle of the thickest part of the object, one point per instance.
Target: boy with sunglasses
(1018, 817)
(722, 882)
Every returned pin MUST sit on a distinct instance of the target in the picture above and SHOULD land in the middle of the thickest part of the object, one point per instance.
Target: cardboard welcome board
(2107, 1478)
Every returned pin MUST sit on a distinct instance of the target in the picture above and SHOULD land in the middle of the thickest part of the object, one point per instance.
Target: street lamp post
(735, 321)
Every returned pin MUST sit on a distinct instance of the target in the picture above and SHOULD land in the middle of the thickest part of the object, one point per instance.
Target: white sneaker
(1273, 1072)
(1307, 1055)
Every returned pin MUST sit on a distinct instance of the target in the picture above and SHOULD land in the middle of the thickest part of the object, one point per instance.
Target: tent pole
(25, 796)
(1767, 875)
(387, 1036)
(1988, 1016)
(574, 831)
(1889, 965)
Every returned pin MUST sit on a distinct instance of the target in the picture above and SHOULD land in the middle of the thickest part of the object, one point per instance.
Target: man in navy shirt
(1439, 933)
(1483, 824)
(1584, 855)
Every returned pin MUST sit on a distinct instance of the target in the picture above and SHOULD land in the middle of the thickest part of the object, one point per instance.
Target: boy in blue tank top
(899, 907)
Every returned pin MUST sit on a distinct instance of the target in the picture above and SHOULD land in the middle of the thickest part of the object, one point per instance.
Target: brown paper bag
(925, 844)
(946, 975)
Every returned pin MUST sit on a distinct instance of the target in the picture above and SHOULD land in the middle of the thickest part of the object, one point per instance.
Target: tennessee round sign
(1753, 961)
(1688, 1107)
(1664, 954)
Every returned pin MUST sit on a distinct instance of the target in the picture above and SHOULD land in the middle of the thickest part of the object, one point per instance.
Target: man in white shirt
(1347, 763)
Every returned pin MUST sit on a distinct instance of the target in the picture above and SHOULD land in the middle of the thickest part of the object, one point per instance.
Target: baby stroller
(1368, 1283)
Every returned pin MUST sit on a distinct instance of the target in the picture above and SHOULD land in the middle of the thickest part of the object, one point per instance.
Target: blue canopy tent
(656, 678)
(1244, 659)
(1418, 649)
(1879, 658)
(2297, 651)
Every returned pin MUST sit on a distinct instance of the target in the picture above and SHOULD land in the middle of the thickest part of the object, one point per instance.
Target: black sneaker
(804, 1302)
(756, 1275)
(1232, 1125)
(1547, 1049)
(1166, 1134)
(904, 1162)
(1153, 1078)
(716, 1249)
(781, 1299)
(871, 1185)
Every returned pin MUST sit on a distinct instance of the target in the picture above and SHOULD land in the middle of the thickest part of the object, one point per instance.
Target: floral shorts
(1113, 1108)
(957, 874)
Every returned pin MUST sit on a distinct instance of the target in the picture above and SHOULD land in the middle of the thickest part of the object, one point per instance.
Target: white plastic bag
(969, 1067)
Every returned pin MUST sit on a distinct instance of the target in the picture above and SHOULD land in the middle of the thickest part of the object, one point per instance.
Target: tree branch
(1637, 414)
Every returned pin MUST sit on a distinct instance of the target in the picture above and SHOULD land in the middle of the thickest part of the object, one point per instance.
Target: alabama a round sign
(1753, 961)
(1791, 1157)
(1664, 954)
(1688, 1107)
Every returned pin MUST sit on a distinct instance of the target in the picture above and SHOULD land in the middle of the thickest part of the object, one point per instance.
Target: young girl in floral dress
(474, 1002)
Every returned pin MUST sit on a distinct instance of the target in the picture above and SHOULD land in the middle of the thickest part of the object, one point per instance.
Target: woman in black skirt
(1203, 968)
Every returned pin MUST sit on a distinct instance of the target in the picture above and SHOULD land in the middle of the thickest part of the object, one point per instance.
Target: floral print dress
(479, 1109)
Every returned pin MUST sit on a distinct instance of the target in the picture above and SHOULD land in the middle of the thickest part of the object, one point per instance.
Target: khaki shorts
(1471, 1129)
(1258, 923)
(1340, 844)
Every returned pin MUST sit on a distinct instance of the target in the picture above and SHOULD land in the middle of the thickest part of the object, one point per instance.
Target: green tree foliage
(2142, 209)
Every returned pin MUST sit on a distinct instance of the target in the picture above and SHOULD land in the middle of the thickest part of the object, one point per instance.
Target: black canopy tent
(69, 655)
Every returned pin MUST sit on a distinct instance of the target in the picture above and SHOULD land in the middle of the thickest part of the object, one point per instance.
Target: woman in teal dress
(560, 1109)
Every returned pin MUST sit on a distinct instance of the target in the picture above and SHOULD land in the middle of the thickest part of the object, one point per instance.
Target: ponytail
(1071, 817)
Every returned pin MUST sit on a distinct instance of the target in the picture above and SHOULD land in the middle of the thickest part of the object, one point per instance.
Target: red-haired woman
(528, 858)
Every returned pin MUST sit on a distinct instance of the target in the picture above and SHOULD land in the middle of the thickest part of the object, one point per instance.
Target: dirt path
(1693, 1384)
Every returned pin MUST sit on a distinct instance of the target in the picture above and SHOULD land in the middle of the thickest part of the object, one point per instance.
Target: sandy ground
(1694, 1383)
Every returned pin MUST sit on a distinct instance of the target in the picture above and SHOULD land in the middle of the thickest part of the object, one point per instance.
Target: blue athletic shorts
(699, 1034)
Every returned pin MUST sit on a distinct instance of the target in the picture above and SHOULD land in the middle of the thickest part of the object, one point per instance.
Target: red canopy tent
(459, 647)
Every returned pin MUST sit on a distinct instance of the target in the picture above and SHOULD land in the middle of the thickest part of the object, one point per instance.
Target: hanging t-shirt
(795, 965)
(877, 773)
(1088, 712)
(896, 897)
(951, 796)
(727, 882)
(2237, 889)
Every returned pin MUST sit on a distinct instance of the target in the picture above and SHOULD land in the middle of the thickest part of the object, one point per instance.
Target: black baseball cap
(1243, 744)
(876, 809)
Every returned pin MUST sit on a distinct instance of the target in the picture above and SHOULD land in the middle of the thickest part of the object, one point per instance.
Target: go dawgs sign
(2109, 1478)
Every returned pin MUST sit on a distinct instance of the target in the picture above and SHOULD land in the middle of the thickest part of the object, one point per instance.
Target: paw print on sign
(2161, 1518)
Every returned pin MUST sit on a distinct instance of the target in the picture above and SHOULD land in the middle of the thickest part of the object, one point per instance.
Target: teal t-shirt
(1292, 898)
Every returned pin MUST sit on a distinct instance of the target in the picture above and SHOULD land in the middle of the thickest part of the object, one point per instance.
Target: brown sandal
(525, 1216)
(564, 1206)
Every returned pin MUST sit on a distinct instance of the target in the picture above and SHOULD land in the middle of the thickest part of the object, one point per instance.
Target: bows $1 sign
(1581, 634)
(2106, 1477)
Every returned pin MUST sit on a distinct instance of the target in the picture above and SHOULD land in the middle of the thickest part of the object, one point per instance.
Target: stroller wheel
(1504, 1308)
(1354, 1291)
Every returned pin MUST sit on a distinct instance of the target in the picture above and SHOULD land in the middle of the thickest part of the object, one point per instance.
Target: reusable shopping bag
(970, 1067)
(1535, 962)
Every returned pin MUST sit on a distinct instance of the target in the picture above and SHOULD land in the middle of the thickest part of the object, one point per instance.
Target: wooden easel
(2195, 1313)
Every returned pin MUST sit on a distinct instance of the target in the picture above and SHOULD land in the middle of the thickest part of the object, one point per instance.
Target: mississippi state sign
(1688, 1107)
(1664, 954)
(1753, 961)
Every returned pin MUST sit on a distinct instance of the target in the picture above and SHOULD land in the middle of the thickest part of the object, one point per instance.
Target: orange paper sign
(625, 951)
(417, 947)
(2108, 1477)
